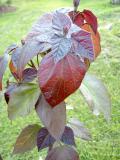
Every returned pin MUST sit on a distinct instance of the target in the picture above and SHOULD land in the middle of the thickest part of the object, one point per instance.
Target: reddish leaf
(62, 153)
(95, 39)
(77, 18)
(58, 80)
(91, 19)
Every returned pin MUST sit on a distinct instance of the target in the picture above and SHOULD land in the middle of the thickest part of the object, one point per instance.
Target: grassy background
(106, 137)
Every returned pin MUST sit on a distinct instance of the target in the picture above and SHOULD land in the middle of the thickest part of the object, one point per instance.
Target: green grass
(106, 137)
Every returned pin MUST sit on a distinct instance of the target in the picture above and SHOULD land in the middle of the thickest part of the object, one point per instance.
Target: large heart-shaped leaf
(22, 100)
(79, 129)
(44, 139)
(58, 80)
(27, 139)
(96, 95)
(62, 153)
(53, 119)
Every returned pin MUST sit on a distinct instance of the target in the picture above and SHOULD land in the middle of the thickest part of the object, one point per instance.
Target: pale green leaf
(22, 100)
(96, 95)
(27, 139)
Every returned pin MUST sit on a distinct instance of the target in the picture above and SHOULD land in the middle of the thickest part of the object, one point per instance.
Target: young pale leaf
(96, 95)
(53, 119)
(27, 139)
(79, 129)
(91, 19)
(29, 50)
(4, 61)
(44, 139)
(58, 80)
(16, 56)
(42, 29)
(3, 66)
(22, 100)
(62, 153)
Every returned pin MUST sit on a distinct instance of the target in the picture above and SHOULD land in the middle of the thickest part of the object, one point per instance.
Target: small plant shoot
(50, 64)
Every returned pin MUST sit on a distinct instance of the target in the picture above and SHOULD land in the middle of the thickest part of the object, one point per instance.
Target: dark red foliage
(58, 80)
(80, 18)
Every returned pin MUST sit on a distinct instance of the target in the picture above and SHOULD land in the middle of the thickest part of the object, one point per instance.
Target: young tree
(50, 64)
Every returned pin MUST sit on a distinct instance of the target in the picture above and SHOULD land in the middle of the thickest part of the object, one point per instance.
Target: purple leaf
(42, 29)
(44, 139)
(62, 153)
(16, 56)
(82, 44)
(29, 75)
(60, 47)
(68, 136)
(60, 21)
